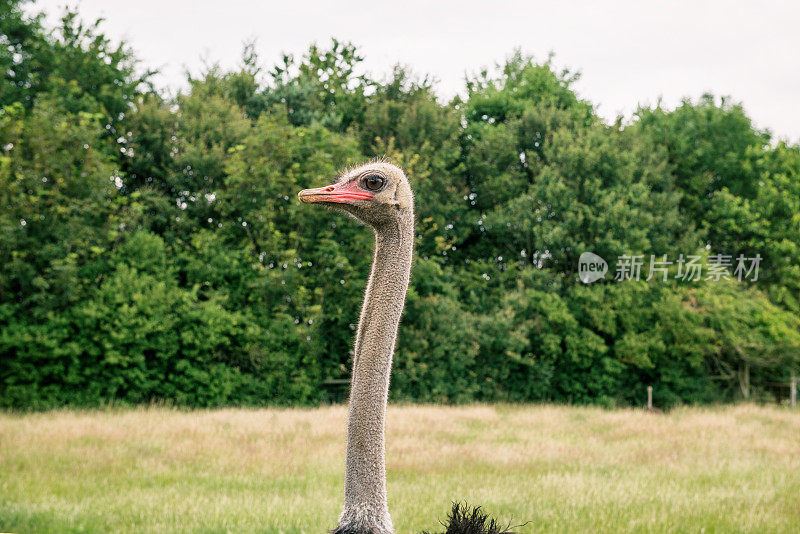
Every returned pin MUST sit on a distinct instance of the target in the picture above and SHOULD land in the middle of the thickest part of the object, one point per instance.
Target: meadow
(561, 469)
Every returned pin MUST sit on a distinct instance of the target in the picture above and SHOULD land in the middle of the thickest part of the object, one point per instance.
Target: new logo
(591, 267)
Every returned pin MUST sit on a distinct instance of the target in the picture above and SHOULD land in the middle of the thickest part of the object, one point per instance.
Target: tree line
(153, 248)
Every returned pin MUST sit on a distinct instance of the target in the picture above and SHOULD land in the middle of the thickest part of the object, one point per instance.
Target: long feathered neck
(365, 504)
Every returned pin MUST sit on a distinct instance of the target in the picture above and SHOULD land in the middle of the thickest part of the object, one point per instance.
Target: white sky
(628, 52)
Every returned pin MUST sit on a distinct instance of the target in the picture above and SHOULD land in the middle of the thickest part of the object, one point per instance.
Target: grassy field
(725, 469)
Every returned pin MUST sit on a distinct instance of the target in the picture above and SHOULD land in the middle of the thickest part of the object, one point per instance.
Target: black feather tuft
(464, 519)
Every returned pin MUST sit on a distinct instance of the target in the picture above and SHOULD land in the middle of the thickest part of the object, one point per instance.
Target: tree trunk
(744, 380)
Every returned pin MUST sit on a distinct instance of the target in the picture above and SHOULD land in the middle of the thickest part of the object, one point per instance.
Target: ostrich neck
(365, 506)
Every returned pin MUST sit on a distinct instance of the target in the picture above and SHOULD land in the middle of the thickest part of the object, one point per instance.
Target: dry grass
(726, 469)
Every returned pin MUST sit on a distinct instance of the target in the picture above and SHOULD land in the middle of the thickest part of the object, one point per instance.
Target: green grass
(564, 469)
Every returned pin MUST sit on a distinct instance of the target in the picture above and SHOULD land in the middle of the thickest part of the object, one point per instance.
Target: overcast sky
(628, 52)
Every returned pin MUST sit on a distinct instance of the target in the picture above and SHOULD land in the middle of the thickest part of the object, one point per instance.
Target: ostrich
(379, 195)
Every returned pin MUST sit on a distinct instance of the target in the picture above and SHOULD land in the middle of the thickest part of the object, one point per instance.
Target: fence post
(650, 398)
(793, 387)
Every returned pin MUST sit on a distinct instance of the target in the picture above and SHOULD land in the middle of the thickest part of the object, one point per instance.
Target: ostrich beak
(339, 193)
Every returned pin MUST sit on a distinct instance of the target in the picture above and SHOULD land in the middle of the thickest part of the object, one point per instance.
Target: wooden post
(793, 394)
(650, 398)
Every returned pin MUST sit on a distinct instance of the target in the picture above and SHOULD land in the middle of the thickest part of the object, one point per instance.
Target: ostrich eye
(373, 182)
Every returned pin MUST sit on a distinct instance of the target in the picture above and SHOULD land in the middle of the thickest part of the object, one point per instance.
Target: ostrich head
(375, 193)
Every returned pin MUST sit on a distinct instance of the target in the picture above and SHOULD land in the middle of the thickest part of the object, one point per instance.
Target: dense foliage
(153, 248)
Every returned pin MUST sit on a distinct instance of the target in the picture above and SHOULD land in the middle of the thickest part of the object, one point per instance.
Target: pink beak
(341, 193)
